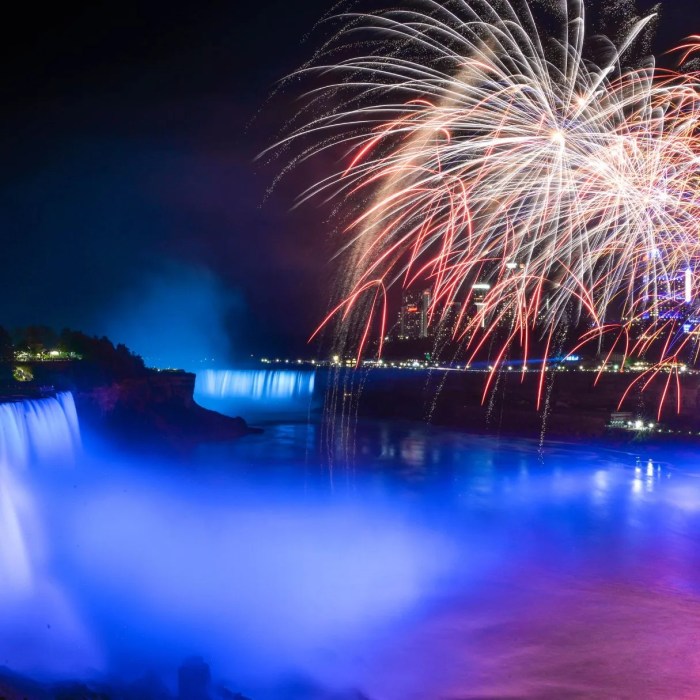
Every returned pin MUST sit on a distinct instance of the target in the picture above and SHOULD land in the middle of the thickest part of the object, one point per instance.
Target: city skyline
(134, 132)
(350, 350)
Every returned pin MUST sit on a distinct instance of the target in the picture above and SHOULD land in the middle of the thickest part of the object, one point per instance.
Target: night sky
(129, 200)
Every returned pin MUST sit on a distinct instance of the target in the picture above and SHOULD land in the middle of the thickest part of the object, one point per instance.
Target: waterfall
(259, 385)
(249, 392)
(39, 431)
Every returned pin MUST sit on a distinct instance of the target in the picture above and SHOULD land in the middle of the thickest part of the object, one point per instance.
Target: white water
(38, 431)
(32, 433)
(256, 392)
(259, 385)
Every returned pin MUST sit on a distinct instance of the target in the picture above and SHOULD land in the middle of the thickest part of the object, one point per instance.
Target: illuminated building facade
(413, 317)
(675, 294)
(479, 293)
(672, 297)
(669, 296)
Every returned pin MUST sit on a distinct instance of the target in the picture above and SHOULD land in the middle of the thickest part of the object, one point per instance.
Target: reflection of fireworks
(481, 152)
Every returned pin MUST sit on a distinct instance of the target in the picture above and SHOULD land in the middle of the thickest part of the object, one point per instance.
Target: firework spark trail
(481, 151)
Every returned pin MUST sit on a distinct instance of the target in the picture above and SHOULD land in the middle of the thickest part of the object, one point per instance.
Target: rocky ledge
(158, 406)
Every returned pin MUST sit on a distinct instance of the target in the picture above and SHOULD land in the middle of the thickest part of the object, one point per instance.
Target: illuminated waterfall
(40, 431)
(261, 393)
(258, 385)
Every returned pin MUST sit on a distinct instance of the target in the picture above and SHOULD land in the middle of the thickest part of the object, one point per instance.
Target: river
(402, 562)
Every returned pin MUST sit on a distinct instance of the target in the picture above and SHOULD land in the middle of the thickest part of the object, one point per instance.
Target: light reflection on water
(589, 547)
(438, 566)
(579, 571)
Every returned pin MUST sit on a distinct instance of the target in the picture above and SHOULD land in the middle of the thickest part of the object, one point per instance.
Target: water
(39, 432)
(438, 565)
(257, 394)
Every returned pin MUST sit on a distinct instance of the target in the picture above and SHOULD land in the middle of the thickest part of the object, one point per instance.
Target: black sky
(128, 153)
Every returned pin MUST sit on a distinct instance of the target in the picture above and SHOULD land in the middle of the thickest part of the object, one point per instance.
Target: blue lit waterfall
(38, 430)
(258, 392)
(32, 432)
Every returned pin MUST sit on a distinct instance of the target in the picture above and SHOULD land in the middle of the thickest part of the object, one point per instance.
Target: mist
(115, 564)
(179, 316)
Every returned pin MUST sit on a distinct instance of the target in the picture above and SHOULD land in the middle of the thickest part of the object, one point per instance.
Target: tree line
(91, 350)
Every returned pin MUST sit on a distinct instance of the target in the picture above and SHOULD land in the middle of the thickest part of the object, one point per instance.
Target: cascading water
(40, 431)
(15, 566)
(258, 392)
(52, 430)
(260, 385)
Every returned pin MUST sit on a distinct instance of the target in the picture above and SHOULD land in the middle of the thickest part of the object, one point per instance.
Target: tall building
(507, 311)
(448, 321)
(648, 285)
(668, 295)
(675, 294)
(413, 317)
(425, 310)
(479, 293)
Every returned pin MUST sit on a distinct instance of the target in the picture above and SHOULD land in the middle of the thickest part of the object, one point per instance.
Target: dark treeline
(92, 358)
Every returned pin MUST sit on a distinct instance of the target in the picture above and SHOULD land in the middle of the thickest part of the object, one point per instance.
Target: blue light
(256, 394)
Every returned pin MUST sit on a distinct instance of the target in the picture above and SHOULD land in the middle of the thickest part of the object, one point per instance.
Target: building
(675, 295)
(621, 420)
(669, 302)
(480, 291)
(667, 294)
(414, 314)
(448, 321)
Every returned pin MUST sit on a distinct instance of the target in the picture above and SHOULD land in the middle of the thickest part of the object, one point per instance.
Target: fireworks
(481, 150)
